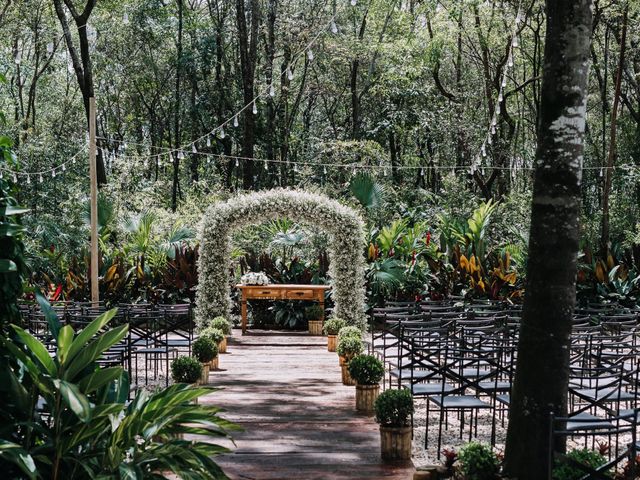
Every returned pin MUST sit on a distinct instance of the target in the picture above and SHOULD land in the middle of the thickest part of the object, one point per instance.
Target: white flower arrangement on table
(254, 278)
(346, 247)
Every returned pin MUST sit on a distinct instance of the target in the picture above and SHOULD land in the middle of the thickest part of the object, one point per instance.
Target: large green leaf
(6, 210)
(65, 337)
(99, 378)
(88, 332)
(38, 350)
(93, 351)
(18, 456)
(7, 266)
(49, 314)
(75, 400)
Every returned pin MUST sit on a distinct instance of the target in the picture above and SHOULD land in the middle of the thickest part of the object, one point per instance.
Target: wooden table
(280, 292)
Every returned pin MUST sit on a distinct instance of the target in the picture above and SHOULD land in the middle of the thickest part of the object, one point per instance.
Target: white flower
(346, 247)
(254, 278)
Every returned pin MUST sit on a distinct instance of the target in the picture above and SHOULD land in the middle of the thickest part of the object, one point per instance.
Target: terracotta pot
(332, 343)
(341, 360)
(365, 397)
(346, 376)
(315, 327)
(222, 346)
(213, 364)
(204, 379)
(395, 443)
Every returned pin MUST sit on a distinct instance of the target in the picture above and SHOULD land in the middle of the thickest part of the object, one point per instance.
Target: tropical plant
(366, 370)
(367, 190)
(186, 370)
(478, 462)
(333, 325)
(205, 349)
(66, 417)
(349, 347)
(394, 408)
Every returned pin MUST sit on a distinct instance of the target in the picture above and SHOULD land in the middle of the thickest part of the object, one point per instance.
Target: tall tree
(81, 62)
(248, 45)
(542, 371)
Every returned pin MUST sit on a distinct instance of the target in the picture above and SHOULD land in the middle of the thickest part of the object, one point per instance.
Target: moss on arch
(346, 246)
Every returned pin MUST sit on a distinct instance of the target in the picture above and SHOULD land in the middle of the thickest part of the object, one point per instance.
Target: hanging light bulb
(515, 43)
(266, 165)
(1, 174)
(180, 155)
(484, 151)
(493, 129)
(334, 27)
(272, 91)
(53, 173)
(354, 171)
(324, 169)
(146, 163)
(295, 167)
(64, 167)
(41, 179)
(50, 48)
(500, 97)
(422, 172)
(28, 180)
(222, 134)
(208, 141)
(194, 149)
(384, 172)
(235, 121)
(125, 18)
(289, 74)
(237, 163)
(494, 122)
(354, 3)
(310, 55)
(489, 140)
(18, 57)
(255, 108)
(498, 109)
(504, 81)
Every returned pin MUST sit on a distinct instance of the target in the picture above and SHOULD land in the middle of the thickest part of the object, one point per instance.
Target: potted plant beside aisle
(314, 315)
(205, 351)
(224, 325)
(348, 348)
(344, 332)
(186, 370)
(217, 336)
(393, 412)
(331, 328)
(367, 371)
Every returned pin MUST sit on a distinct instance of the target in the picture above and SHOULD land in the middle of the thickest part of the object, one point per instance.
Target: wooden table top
(287, 286)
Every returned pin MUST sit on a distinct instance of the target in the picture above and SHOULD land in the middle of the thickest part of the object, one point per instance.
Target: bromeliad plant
(63, 416)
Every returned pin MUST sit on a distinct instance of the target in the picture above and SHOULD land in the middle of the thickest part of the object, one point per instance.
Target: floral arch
(346, 240)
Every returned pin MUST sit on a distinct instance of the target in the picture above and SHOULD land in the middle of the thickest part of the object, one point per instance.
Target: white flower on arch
(346, 247)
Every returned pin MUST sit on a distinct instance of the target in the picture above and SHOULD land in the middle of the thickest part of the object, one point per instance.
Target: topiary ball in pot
(349, 347)
(221, 323)
(393, 410)
(186, 370)
(213, 333)
(349, 331)
(333, 325)
(479, 462)
(366, 370)
(204, 349)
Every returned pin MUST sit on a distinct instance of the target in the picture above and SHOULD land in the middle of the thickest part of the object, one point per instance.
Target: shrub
(221, 323)
(333, 325)
(214, 334)
(349, 331)
(205, 349)
(314, 312)
(186, 370)
(478, 462)
(588, 458)
(394, 408)
(366, 370)
(349, 347)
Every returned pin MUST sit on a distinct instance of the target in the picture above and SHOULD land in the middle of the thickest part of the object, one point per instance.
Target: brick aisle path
(299, 420)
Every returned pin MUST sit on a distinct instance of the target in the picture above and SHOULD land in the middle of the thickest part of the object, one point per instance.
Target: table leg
(321, 302)
(244, 315)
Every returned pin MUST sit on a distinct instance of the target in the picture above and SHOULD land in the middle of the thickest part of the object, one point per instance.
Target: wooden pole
(95, 292)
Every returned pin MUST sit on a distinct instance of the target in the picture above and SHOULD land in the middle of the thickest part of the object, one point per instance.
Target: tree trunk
(542, 371)
(248, 42)
(608, 173)
(176, 120)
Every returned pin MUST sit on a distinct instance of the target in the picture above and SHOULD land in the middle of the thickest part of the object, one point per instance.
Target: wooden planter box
(222, 346)
(315, 327)
(204, 379)
(213, 364)
(332, 343)
(341, 360)
(365, 398)
(395, 443)
(346, 376)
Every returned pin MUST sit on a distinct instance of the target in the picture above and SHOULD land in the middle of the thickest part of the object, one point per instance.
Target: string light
(272, 91)
(354, 3)
(255, 108)
(222, 134)
(208, 141)
(310, 55)
(289, 74)
(235, 121)
(334, 27)
(50, 48)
